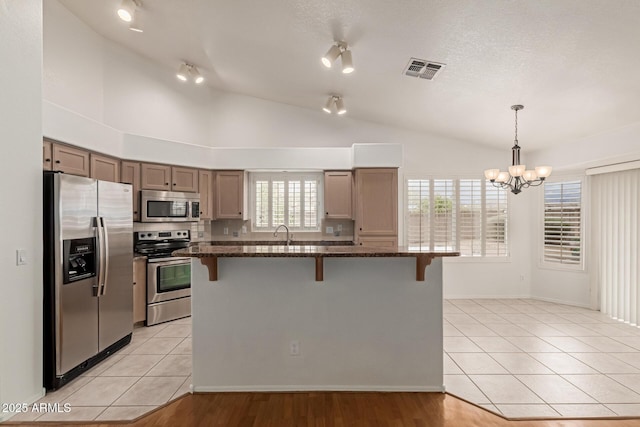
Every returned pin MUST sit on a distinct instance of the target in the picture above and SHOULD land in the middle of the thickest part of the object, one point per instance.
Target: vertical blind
(466, 215)
(563, 222)
(286, 198)
(616, 236)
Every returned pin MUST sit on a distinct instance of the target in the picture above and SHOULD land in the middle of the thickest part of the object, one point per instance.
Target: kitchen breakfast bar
(307, 317)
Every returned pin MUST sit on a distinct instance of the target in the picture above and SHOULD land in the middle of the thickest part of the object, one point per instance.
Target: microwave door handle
(98, 231)
(187, 210)
(105, 239)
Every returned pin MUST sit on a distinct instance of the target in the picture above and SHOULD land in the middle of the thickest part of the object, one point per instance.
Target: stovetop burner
(160, 244)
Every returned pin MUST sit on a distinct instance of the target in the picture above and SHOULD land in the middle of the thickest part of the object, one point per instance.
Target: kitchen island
(316, 318)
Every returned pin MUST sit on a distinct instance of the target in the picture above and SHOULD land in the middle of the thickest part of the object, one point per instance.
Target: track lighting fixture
(126, 10)
(340, 49)
(136, 23)
(334, 99)
(187, 70)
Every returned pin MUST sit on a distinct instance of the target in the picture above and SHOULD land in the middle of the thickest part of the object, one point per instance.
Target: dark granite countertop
(206, 250)
(275, 242)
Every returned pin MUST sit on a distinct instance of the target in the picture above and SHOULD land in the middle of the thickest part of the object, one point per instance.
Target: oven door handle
(105, 239)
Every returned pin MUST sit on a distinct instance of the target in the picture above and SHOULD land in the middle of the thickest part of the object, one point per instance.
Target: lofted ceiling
(572, 63)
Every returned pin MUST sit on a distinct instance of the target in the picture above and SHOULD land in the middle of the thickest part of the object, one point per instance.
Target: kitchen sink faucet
(289, 236)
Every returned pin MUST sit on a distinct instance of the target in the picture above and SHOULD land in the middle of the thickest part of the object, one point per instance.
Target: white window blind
(463, 215)
(286, 198)
(563, 223)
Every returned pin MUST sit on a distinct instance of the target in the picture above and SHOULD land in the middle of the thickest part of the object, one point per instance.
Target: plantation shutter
(562, 222)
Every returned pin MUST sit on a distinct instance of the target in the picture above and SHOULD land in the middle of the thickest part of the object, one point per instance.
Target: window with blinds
(563, 223)
(466, 215)
(286, 198)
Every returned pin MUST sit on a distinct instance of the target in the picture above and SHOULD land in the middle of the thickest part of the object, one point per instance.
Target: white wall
(570, 159)
(21, 225)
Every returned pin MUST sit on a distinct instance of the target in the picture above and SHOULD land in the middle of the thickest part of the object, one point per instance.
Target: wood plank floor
(331, 409)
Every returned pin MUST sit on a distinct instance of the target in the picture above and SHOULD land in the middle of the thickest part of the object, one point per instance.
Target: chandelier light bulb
(502, 177)
(517, 170)
(543, 171)
(530, 175)
(126, 10)
(491, 173)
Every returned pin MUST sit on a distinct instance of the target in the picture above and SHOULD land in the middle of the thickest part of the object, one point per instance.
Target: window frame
(550, 265)
(286, 176)
(456, 185)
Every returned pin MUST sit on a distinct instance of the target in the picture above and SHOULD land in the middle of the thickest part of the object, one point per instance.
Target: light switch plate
(21, 257)
(329, 230)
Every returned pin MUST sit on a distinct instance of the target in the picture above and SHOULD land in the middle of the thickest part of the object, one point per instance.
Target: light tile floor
(152, 370)
(526, 358)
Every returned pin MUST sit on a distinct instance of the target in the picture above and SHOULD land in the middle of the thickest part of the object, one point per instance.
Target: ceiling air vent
(423, 69)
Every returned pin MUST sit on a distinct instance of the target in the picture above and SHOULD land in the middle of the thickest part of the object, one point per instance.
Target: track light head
(136, 24)
(328, 105)
(183, 72)
(347, 62)
(126, 10)
(195, 74)
(340, 109)
(331, 55)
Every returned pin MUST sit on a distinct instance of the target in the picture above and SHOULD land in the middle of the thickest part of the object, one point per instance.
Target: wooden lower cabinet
(139, 290)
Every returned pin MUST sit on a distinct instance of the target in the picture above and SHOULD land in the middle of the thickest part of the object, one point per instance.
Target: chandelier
(518, 176)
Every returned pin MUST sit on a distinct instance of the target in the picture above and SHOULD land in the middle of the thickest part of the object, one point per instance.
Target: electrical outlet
(235, 234)
(329, 230)
(225, 230)
(294, 348)
(200, 234)
(339, 227)
(244, 229)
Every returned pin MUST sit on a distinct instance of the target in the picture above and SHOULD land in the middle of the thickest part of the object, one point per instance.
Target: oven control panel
(142, 236)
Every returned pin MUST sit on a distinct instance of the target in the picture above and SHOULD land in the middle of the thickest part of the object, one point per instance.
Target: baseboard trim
(486, 297)
(308, 388)
(559, 301)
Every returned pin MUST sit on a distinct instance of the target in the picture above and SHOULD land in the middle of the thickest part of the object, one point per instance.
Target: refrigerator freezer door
(116, 296)
(76, 307)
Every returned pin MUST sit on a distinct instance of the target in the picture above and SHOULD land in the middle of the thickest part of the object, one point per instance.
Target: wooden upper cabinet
(337, 194)
(184, 179)
(70, 160)
(131, 175)
(155, 177)
(47, 155)
(205, 184)
(105, 168)
(229, 194)
(377, 202)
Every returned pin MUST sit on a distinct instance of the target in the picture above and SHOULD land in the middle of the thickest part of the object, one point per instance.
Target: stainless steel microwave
(169, 206)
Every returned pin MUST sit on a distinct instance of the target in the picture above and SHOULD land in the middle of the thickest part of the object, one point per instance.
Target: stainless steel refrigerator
(88, 273)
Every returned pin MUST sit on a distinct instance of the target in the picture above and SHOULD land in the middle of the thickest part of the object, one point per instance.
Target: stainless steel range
(168, 278)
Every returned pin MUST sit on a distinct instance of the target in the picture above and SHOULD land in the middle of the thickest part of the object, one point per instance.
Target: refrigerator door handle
(98, 283)
(105, 239)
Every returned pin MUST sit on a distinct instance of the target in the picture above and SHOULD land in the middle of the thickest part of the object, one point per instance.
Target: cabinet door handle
(360, 244)
(200, 212)
(166, 183)
(239, 213)
(135, 212)
(57, 161)
(360, 228)
(326, 213)
(47, 160)
(174, 183)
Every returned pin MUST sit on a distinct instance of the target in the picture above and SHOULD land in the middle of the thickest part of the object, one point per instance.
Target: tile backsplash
(203, 231)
